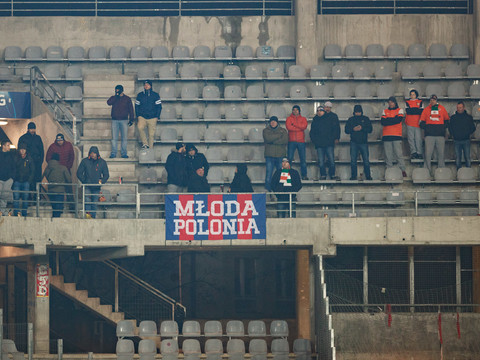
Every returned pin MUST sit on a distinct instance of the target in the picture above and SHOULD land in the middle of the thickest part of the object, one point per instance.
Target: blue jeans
(462, 146)
(354, 150)
(57, 204)
(327, 152)
(272, 164)
(91, 198)
(122, 126)
(292, 146)
(20, 191)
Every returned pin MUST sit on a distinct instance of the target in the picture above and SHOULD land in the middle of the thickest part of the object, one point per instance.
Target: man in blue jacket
(148, 107)
(359, 126)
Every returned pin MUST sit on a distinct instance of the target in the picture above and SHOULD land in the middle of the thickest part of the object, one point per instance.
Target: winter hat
(328, 104)
(190, 147)
(357, 109)
(22, 145)
(392, 98)
(241, 169)
(321, 108)
(179, 145)
(285, 159)
(31, 125)
(120, 88)
(273, 118)
(60, 137)
(296, 107)
(148, 82)
(434, 97)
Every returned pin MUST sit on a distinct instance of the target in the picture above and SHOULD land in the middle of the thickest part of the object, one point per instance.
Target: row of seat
(192, 328)
(412, 71)
(382, 212)
(141, 53)
(395, 51)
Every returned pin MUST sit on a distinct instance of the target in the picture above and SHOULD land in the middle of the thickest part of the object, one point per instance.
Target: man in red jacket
(296, 125)
(64, 149)
(122, 117)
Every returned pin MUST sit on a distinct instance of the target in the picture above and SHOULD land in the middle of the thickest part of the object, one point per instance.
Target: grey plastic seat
(432, 70)
(212, 328)
(125, 349)
(302, 349)
(361, 72)
(210, 71)
(138, 53)
(446, 196)
(232, 92)
(189, 92)
(244, 52)
(118, 53)
(297, 72)
(474, 91)
(147, 327)
(169, 112)
(438, 51)
(213, 134)
(213, 349)
(421, 175)
(159, 53)
(257, 328)
(468, 195)
(54, 53)
(275, 72)
(148, 175)
(276, 92)
(212, 113)
(146, 156)
(13, 53)
(191, 135)
(340, 72)
(369, 111)
(465, 174)
(344, 111)
(253, 72)
(167, 92)
(52, 72)
(264, 52)
(383, 72)
(235, 328)
(320, 72)
(34, 53)
(332, 51)
(393, 174)
(459, 51)
(375, 51)
(453, 71)
(167, 71)
(417, 51)
(342, 91)
(214, 155)
(280, 349)
(410, 71)
(255, 92)
(353, 51)
(278, 111)
(191, 349)
(286, 52)
(456, 90)
(180, 52)
(236, 349)
(384, 91)
(209, 92)
(223, 52)
(436, 89)
(169, 327)
(321, 92)
(255, 135)
(257, 348)
(73, 73)
(202, 52)
(236, 154)
(189, 71)
(364, 91)
(190, 112)
(443, 175)
(147, 349)
(215, 175)
(73, 93)
(125, 328)
(76, 53)
(232, 72)
(168, 135)
(234, 112)
(169, 349)
(97, 53)
(256, 112)
(145, 73)
(298, 92)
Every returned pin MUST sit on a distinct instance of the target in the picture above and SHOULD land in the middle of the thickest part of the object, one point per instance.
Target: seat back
(234, 112)
(168, 346)
(417, 51)
(235, 328)
(332, 51)
(190, 112)
(244, 52)
(353, 51)
(232, 72)
(147, 347)
(191, 346)
(159, 52)
(375, 51)
(125, 347)
(97, 53)
(232, 92)
(54, 53)
(235, 346)
(167, 71)
(76, 53)
(211, 92)
(213, 346)
(223, 52)
(191, 328)
(438, 51)
(169, 328)
(181, 52)
(201, 52)
(33, 53)
(139, 53)
(118, 53)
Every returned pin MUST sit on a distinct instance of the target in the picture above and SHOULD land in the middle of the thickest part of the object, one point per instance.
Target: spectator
(56, 173)
(195, 160)
(241, 182)
(359, 126)
(122, 117)
(296, 125)
(197, 182)
(412, 120)
(65, 151)
(148, 107)
(177, 169)
(276, 140)
(34, 147)
(7, 174)
(24, 175)
(286, 180)
(434, 121)
(392, 134)
(324, 133)
(461, 127)
(93, 172)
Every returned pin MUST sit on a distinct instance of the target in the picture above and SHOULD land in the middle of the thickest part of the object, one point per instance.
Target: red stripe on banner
(440, 337)
(215, 225)
(458, 326)
(389, 313)
(243, 220)
(183, 232)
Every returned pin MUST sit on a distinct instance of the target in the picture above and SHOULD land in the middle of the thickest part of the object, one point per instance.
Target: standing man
(412, 120)
(56, 174)
(177, 169)
(23, 178)
(434, 121)
(276, 140)
(64, 149)
(286, 180)
(296, 125)
(359, 126)
(392, 134)
(461, 128)
(7, 174)
(325, 133)
(34, 147)
(122, 117)
(92, 171)
(148, 107)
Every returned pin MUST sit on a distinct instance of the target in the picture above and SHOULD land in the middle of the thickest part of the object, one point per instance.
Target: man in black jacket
(286, 180)
(195, 160)
(7, 173)
(24, 175)
(461, 127)
(93, 172)
(197, 182)
(176, 167)
(148, 107)
(359, 126)
(35, 150)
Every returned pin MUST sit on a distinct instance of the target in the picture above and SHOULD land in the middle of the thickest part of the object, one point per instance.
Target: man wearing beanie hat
(122, 117)
(176, 167)
(195, 160)
(359, 126)
(64, 149)
(296, 125)
(35, 150)
(148, 107)
(276, 140)
(391, 121)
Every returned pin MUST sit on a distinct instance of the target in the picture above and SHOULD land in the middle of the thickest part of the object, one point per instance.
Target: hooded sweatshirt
(176, 166)
(241, 182)
(358, 137)
(461, 126)
(56, 173)
(34, 146)
(195, 161)
(148, 104)
(91, 171)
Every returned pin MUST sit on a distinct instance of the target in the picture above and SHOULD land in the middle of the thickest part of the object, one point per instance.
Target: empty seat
(443, 175)
(145, 73)
(191, 349)
(169, 327)
(340, 72)
(438, 51)
(236, 349)
(97, 53)
(212, 113)
(302, 349)
(214, 155)
(280, 349)
(468, 195)
(235, 154)
(167, 71)
(321, 92)
(213, 134)
(253, 72)
(255, 92)
(364, 91)
(118, 53)
(147, 327)
(52, 72)
(76, 53)
(191, 135)
(344, 111)
(181, 52)
(368, 111)
(320, 72)
(256, 112)
(159, 52)
(215, 175)
(459, 51)
(209, 92)
(456, 90)
(73, 73)
(214, 349)
(125, 349)
(13, 53)
(210, 71)
(297, 72)
(257, 348)
(264, 52)
(298, 92)
(148, 175)
(146, 156)
(453, 71)
(244, 52)
(446, 196)
(73, 93)
(384, 91)
(434, 88)
(353, 51)
(255, 135)
(232, 92)
(139, 53)
(396, 51)
(393, 174)
(286, 52)
(147, 349)
(54, 53)
(432, 71)
(189, 71)
(417, 51)
(167, 92)
(383, 72)
(190, 112)
(223, 52)
(232, 72)
(342, 91)
(332, 51)
(278, 111)
(420, 175)
(33, 53)
(257, 328)
(168, 135)
(125, 328)
(275, 72)
(375, 51)
(361, 72)
(190, 92)
(276, 92)
(169, 349)
(465, 174)
(201, 52)
(234, 112)
(169, 112)
(235, 328)
(474, 91)
(410, 71)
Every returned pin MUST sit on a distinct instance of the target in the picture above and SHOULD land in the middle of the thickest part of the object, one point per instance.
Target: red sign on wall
(42, 280)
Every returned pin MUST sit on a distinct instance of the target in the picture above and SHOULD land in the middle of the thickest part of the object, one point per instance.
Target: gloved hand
(130, 122)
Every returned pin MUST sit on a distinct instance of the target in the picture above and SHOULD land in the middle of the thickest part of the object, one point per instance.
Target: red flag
(440, 327)
(458, 325)
(389, 313)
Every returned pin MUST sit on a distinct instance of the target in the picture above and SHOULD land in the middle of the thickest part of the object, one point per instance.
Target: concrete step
(82, 295)
(106, 310)
(70, 288)
(106, 133)
(96, 107)
(93, 303)
(117, 316)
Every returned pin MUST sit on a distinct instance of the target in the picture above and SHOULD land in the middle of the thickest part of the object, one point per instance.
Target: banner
(15, 105)
(215, 216)
(42, 280)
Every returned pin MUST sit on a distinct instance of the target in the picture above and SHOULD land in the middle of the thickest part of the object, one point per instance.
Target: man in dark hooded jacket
(92, 170)
(24, 175)
(359, 126)
(176, 167)
(56, 173)
(197, 182)
(195, 160)
(35, 150)
(148, 107)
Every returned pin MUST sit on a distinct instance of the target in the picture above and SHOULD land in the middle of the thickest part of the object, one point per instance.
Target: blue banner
(15, 105)
(215, 216)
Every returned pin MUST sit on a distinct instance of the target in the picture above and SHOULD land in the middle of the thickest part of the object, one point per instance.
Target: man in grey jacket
(276, 140)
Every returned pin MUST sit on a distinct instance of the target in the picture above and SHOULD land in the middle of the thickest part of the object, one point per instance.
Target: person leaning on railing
(56, 174)
(286, 180)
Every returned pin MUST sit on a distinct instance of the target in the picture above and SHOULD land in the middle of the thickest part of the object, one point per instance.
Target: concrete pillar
(306, 28)
(303, 294)
(38, 302)
(476, 32)
(476, 276)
